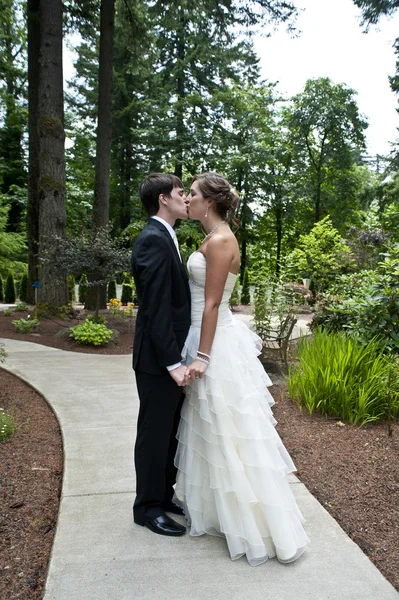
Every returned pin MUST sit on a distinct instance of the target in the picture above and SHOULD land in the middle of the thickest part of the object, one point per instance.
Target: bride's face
(196, 202)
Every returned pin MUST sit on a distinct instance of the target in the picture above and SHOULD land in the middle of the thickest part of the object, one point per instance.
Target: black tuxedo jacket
(163, 318)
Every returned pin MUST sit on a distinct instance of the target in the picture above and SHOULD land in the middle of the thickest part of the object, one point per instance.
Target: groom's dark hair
(153, 186)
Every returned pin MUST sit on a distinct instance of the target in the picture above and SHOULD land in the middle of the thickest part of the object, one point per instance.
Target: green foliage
(1, 289)
(21, 307)
(10, 293)
(82, 290)
(245, 292)
(127, 291)
(71, 289)
(321, 256)
(23, 287)
(100, 319)
(235, 294)
(367, 305)
(8, 312)
(89, 333)
(25, 325)
(13, 250)
(111, 291)
(341, 378)
(7, 426)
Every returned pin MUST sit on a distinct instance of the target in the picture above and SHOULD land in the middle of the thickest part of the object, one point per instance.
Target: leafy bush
(93, 334)
(25, 325)
(71, 289)
(368, 305)
(21, 307)
(1, 289)
(321, 255)
(235, 294)
(342, 378)
(127, 293)
(111, 292)
(7, 427)
(245, 292)
(8, 312)
(82, 291)
(100, 319)
(23, 288)
(10, 294)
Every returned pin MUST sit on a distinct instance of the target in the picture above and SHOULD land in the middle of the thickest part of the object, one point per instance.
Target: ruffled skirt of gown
(232, 464)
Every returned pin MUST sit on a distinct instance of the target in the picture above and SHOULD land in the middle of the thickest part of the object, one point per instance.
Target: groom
(162, 325)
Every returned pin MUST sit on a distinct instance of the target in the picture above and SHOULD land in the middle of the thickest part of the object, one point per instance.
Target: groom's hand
(178, 375)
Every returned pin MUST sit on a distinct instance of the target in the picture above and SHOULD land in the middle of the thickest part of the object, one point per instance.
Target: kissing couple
(206, 444)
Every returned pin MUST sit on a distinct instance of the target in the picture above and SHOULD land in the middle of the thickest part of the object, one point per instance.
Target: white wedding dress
(232, 464)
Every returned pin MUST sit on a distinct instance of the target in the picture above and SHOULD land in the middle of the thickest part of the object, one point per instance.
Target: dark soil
(31, 466)
(353, 472)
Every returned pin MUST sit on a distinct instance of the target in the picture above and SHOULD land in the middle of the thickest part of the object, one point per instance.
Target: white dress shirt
(172, 234)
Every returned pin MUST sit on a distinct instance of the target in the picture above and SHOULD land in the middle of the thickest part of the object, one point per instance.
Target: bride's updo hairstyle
(215, 187)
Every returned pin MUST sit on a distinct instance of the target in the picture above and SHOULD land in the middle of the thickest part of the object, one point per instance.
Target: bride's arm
(219, 254)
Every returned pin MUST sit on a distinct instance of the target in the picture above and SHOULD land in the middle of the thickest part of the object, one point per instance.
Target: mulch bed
(353, 472)
(31, 466)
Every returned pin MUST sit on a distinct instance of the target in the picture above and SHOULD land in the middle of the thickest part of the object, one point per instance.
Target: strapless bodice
(197, 270)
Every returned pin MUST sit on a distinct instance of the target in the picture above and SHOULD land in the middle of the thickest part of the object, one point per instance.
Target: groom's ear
(162, 199)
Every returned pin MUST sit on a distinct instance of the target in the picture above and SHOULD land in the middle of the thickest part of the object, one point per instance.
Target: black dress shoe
(171, 507)
(162, 525)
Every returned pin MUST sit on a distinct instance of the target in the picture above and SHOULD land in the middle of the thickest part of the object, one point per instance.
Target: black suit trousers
(159, 415)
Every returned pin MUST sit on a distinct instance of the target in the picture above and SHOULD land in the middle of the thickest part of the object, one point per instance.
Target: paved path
(99, 554)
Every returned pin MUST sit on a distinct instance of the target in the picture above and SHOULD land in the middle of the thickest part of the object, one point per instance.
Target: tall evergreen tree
(33, 179)
(52, 213)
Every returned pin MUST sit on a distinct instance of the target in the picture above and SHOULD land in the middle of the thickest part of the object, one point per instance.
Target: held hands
(195, 371)
(183, 375)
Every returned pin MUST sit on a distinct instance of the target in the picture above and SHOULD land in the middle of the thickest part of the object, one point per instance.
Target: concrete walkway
(99, 554)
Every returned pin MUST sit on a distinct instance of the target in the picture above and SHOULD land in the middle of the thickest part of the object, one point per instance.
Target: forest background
(173, 86)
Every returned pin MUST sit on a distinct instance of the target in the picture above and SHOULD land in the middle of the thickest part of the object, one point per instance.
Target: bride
(232, 464)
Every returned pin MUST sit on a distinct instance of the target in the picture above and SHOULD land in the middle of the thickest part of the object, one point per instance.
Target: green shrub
(23, 288)
(82, 291)
(341, 378)
(235, 294)
(367, 305)
(1, 289)
(321, 255)
(21, 307)
(71, 289)
(25, 325)
(100, 319)
(93, 334)
(10, 294)
(7, 427)
(245, 293)
(127, 293)
(8, 312)
(111, 291)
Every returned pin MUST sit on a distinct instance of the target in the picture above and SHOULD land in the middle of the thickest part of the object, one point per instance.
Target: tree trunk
(104, 121)
(104, 135)
(52, 209)
(33, 177)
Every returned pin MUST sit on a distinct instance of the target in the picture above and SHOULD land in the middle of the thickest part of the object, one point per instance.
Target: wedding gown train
(232, 464)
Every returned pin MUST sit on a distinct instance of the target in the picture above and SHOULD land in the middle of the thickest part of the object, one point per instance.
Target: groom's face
(177, 203)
